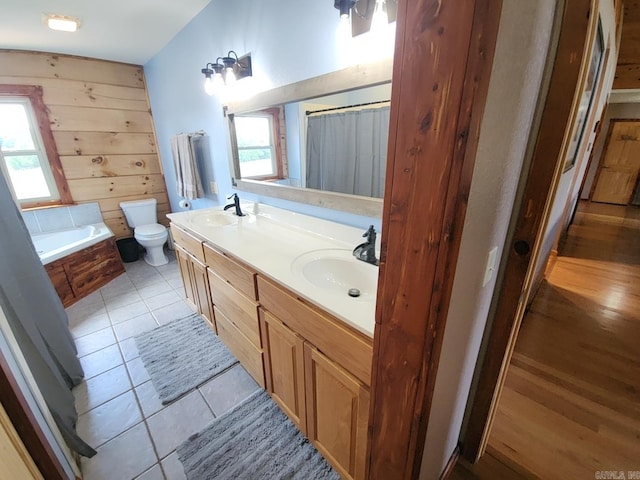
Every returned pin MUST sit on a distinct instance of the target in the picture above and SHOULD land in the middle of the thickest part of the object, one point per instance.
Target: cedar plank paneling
(102, 127)
(85, 166)
(88, 189)
(83, 119)
(46, 65)
(86, 94)
(100, 143)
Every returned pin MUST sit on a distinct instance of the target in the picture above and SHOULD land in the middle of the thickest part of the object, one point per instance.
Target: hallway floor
(571, 403)
(119, 411)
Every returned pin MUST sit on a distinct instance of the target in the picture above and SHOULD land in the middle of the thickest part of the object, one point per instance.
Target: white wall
(521, 51)
(295, 41)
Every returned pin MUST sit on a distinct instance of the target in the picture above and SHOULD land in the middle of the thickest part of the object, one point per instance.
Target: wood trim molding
(432, 146)
(26, 425)
(451, 464)
(34, 93)
(543, 176)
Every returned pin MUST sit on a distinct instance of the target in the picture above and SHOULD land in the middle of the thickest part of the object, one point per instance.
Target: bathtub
(52, 246)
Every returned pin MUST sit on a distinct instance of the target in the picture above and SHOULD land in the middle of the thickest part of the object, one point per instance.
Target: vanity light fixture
(345, 7)
(379, 20)
(62, 23)
(225, 71)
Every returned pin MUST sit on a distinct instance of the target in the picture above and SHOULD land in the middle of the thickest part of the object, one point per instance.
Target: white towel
(184, 159)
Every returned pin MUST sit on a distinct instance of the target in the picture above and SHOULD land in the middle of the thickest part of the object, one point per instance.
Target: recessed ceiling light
(62, 23)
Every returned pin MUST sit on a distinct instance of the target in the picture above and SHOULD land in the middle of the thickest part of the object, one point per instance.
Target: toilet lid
(152, 229)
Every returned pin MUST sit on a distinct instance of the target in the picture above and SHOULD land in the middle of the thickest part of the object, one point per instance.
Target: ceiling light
(62, 23)
(345, 7)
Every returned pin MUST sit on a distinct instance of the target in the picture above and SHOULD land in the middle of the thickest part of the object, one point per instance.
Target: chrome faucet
(367, 251)
(236, 204)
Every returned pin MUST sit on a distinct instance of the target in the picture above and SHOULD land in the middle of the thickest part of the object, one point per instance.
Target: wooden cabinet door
(200, 284)
(337, 413)
(284, 368)
(185, 265)
(619, 170)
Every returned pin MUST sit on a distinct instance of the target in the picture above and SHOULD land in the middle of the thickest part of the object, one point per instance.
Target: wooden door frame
(442, 65)
(556, 125)
(604, 153)
(26, 425)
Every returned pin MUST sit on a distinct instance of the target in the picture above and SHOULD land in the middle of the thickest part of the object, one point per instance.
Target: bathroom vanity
(274, 286)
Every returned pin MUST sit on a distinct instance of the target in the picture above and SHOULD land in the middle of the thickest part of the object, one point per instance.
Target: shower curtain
(38, 321)
(347, 151)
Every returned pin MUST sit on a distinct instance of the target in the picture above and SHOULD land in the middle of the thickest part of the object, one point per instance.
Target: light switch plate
(491, 265)
(214, 187)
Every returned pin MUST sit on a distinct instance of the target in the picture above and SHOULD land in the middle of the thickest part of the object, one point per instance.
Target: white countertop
(270, 239)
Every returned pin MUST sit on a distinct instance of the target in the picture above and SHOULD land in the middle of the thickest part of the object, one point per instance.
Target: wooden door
(184, 263)
(14, 457)
(200, 285)
(337, 413)
(284, 367)
(619, 169)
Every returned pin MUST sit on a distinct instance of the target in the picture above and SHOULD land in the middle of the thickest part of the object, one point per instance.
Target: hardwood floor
(571, 402)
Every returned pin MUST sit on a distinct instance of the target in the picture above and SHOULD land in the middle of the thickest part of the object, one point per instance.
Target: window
(257, 137)
(31, 163)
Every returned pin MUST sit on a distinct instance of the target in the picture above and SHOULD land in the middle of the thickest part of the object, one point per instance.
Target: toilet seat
(153, 230)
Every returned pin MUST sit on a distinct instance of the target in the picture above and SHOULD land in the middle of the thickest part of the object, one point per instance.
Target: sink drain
(354, 292)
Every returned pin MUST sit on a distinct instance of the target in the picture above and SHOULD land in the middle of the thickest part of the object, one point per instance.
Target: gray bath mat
(253, 441)
(182, 355)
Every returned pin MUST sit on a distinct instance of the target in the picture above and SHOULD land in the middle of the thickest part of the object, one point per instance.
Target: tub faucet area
(367, 251)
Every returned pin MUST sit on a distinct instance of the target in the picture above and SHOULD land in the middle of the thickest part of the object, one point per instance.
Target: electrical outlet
(214, 187)
(491, 265)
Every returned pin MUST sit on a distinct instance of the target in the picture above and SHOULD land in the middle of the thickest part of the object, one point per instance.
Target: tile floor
(119, 411)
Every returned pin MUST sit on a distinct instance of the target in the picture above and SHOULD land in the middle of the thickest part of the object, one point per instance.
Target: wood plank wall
(101, 122)
(628, 68)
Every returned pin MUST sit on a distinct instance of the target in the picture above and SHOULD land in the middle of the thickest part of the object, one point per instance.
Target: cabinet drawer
(240, 310)
(352, 350)
(240, 346)
(231, 270)
(187, 241)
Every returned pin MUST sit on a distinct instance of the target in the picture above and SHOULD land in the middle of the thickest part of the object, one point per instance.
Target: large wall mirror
(322, 141)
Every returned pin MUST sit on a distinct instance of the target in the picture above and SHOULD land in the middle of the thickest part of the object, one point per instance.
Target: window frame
(274, 121)
(34, 94)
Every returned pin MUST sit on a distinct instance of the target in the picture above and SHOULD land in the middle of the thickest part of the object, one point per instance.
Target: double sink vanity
(286, 295)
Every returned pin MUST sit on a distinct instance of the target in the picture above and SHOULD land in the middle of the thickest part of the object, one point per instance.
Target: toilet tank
(140, 212)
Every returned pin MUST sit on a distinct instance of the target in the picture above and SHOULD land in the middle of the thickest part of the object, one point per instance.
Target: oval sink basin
(214, 219)
(338, 271)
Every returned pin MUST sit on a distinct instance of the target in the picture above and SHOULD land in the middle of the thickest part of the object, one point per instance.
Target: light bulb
(230, 76)
(218, 82)
(209, 86)
(379, 21)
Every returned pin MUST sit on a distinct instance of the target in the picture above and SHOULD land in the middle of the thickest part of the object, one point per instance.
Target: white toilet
(141, 216)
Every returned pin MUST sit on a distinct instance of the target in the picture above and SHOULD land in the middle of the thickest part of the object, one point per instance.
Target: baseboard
(451, 464)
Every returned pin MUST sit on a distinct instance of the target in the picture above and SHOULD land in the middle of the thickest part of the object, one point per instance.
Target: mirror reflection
(336, 143)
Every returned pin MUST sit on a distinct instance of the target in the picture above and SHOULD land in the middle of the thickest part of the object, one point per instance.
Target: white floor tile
(173, 425)
(101, 361)
(146, 279)
(173, 468)
(228, 389)
(171, 312)
(101, 388)
(91, 324)
(148, 399)
(162, 300)
(135, 326)
(95, 341)
(122, 300)
(109, 420)
(138, 372)
(127, 312)
(155, 289)
(154, 473)
(129, 349)
(117, 286)
(124, 457)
